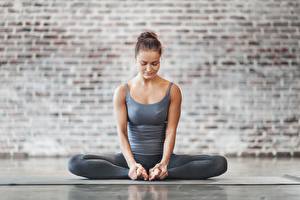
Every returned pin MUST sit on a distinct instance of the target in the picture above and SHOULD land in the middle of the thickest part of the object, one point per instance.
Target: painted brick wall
(236, 62)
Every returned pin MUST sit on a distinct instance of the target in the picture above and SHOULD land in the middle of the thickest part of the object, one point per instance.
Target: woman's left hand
(159, 171)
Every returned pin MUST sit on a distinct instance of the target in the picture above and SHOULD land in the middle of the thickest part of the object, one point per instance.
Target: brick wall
(236, 62)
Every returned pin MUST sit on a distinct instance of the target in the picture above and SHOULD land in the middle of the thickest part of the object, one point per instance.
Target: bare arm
(173, 118)
(120, 114)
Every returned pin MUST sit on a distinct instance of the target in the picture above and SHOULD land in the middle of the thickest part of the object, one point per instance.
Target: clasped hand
(159, 171)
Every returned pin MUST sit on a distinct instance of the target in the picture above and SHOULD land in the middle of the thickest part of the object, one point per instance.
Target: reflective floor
(150, 192)
(237, 167)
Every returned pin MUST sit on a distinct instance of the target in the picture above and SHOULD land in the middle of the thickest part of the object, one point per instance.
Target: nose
(149, 68)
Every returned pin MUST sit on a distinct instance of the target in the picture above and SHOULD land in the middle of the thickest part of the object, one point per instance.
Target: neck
(147, 82)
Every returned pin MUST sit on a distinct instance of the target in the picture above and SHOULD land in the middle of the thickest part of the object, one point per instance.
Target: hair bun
(148, 41)
(146, 35)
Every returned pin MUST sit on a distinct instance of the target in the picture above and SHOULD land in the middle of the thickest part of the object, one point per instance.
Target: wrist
(164, 162)
(131, 164)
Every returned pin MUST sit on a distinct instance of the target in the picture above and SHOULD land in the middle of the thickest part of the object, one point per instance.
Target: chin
(149, 77)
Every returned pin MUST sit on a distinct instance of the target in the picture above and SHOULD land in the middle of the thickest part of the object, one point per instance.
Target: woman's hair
(148, 41)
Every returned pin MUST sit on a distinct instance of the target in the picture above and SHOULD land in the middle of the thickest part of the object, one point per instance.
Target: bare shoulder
(120, 92)
(175, 89)
(175, 92)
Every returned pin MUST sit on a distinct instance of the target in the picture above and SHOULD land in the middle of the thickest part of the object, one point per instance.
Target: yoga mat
(293, 176)
(73, 180)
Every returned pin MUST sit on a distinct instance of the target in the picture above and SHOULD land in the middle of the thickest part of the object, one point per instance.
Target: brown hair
(148, 41)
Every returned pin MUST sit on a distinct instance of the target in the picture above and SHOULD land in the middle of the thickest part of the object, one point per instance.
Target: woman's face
(148, 62)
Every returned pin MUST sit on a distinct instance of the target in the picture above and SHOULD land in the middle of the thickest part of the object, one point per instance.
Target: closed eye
(154, 63)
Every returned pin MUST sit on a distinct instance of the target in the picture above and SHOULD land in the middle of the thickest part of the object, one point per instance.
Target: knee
(221, 164)
(74, 164)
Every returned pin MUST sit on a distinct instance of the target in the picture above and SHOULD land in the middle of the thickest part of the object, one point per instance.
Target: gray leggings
(114, 166)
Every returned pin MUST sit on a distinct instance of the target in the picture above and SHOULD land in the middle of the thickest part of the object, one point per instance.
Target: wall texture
(236, 62)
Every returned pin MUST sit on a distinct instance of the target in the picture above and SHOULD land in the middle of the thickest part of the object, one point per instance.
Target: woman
(150, 105)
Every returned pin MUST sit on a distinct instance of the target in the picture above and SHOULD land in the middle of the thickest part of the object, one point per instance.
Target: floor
(246, 178)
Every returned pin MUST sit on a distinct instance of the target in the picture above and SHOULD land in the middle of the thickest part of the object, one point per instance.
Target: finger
(134, 176)
(133, 173)
(139, 168)
(145, 175)
(163, 176)
(151, 173)
(163, 172)
(138, 172)
(152, 176)
(151, 170)
(139, 165)
(145, 172)
(158, 165)
(156, 173)
(142, 171)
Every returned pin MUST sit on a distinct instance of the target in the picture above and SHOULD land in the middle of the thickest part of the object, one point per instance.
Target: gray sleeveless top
(147, 124)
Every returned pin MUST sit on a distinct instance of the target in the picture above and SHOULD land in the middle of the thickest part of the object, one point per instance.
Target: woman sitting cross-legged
(147, 109)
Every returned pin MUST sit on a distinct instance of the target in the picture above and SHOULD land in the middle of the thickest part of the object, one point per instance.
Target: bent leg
(196, 166)
(111, 166)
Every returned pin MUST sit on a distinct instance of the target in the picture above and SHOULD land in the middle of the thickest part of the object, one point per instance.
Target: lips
(149, 74)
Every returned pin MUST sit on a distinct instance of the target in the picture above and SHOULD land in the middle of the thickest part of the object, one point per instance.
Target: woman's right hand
(137, 171)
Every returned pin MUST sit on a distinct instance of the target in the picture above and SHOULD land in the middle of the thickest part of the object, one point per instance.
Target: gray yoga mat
(72, 180)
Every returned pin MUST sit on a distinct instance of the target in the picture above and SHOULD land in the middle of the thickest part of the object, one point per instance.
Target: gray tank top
(147, 124)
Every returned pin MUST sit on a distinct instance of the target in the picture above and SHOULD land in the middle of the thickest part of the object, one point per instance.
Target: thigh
(115, 158)
(177, 160)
